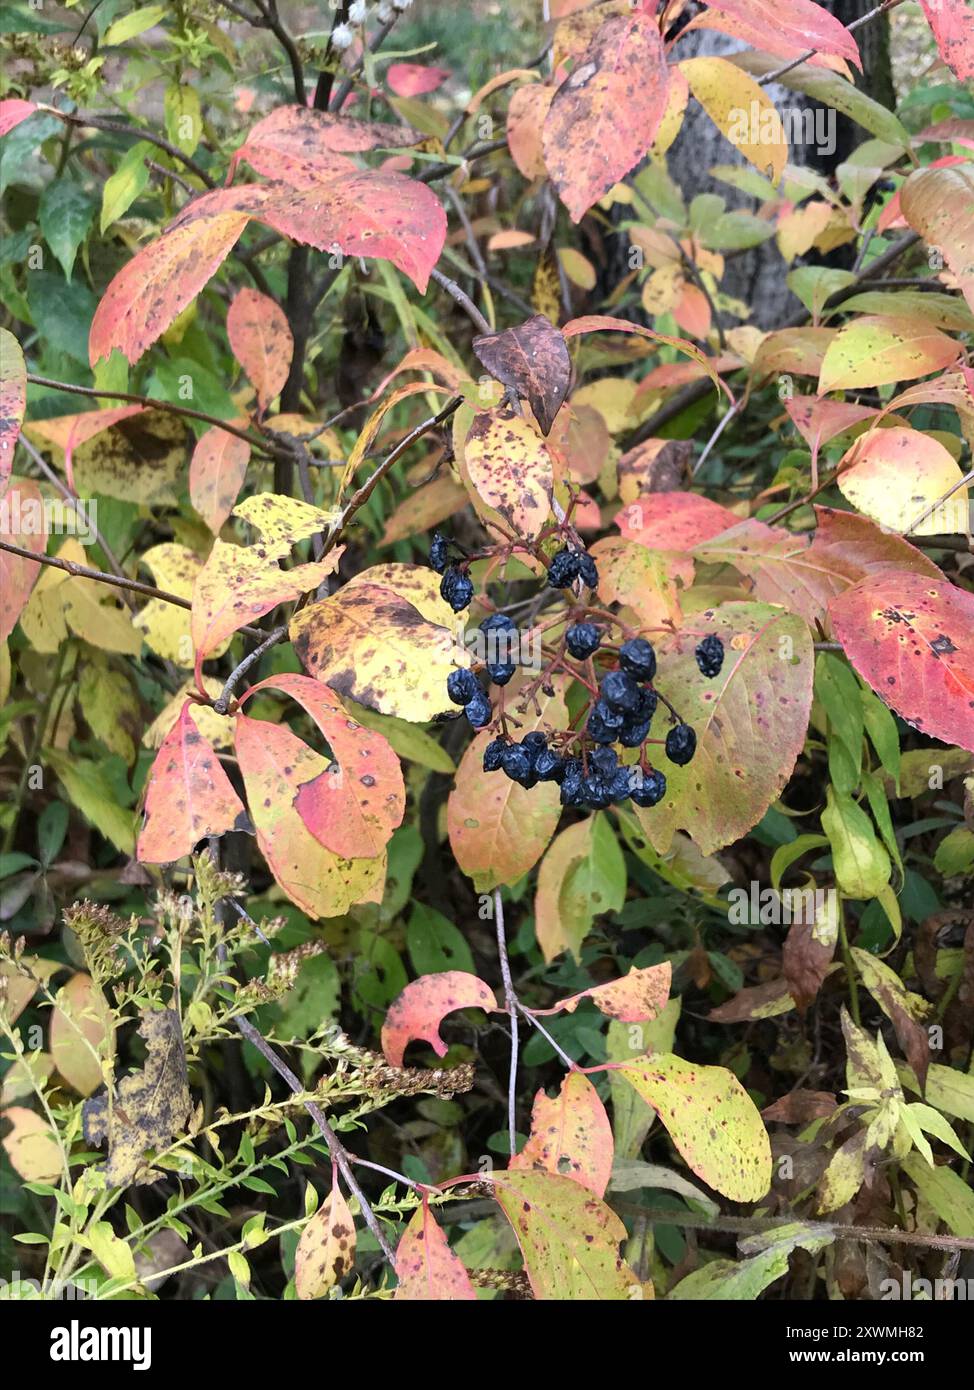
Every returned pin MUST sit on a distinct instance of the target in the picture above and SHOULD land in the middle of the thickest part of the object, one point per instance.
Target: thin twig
(77, 118)
(335, 1147)
(811, 52)
(510, 998)
(463, 299)
(221, 704)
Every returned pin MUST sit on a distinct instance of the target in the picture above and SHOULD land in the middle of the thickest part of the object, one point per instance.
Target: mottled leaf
(511, 468)
(188, 796)
(912, 639)
(532, 359)
(711, 1120)
(326, 1250)
(216, 474)
(875, 349)
(13, 400)
(427, 1269)
(261, 339)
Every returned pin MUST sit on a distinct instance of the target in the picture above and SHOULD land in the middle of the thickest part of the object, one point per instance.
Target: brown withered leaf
(800, 1107)
(756, 1001)
(906, 1011)
(805, 960)
(532, 359)
(149, 1107)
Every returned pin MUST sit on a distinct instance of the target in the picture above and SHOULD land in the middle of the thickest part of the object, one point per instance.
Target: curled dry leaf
(420, 1008)
(188, 796)
(532, 359)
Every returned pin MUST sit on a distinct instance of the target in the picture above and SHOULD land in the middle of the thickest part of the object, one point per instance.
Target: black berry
(457, 589)
(646, 788)
(638, 658)
(563, 569)
(681, 744)
(462, 686)
(710, 656)
(478, 710)
(439, 552)
(587, 571)
(620, 692)
(582, 639)
(494, 754)
(500, 672)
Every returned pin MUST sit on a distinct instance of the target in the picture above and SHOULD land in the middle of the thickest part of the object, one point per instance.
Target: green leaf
(837, 690)
(184, 122)
(125, 185)
(747, 1279)
(945, 1191)
(862, 866)
(91, 790)
(955, 853)
(130, 26)
(65, 214)
(434, 943)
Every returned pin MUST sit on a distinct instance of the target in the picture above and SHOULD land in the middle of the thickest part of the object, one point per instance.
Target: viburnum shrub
(433, 598)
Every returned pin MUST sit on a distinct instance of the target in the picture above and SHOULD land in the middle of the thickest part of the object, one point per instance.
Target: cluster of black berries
(456, 586)
(465, 689)
(621, 713)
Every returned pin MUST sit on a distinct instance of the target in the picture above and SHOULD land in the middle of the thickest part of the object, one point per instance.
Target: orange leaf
(570, 1135)
(427, 1268)
(262, 343)
(422, 1005)
(157, 284)
(275, 765)
(352, 807)
(22, 523)
(639, 995)
(526, 114)
(216, 474)
(188, 796)
(604, 117)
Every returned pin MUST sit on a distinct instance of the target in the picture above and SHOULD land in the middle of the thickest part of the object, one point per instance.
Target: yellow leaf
(894, 475)
(31, 1145)
(510, 466)
(326, 1250)
(166, 627)
(741, 110)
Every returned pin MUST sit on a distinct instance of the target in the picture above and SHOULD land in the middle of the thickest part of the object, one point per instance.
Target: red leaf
(21, 523)
(157, 284)
(674, 520)
(216, 474)
(414, 79)
(789, 30)
(13, 400)
(421, 1007)
(13, 111)
(596, 323)
(262, 343)
(570, 1135)
(852, 546)
(605, 115)
(354, 812)
(188, 796)
(427, 1268)
(912, 639)
(952, 22)
(303, 146)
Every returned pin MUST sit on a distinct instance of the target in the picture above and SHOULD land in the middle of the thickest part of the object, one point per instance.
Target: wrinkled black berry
(478, 710)
(710, 656)
(681, 744)
(597, 791)
(620, 692)
(457, 589)
(500, 672)
(646, 788)
(634, 734)
(494, 754)
(534, 742)
(604, 724)
(604, 761)
(587, 571)
(548, 766)
(497, 622)
(461, 686)
(563, 569)
(638, 658)
(582, 639)
(619, 785)
(439, 552)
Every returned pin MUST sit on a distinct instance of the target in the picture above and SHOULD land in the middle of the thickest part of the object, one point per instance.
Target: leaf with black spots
(188, 796)
(532, 359)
